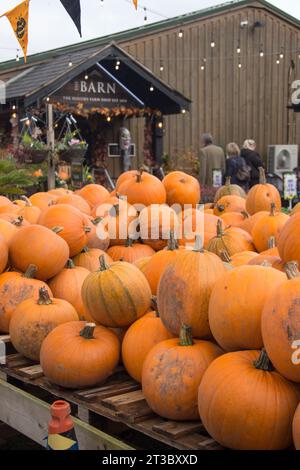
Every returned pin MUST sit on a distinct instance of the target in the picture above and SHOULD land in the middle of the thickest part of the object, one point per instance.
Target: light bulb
(212, 44)
(151, 88)
(180, 34)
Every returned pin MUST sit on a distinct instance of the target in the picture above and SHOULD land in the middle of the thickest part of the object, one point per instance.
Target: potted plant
(71, 148)
(36, 151)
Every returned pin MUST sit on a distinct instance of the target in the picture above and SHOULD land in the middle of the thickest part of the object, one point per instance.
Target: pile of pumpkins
(209, 323)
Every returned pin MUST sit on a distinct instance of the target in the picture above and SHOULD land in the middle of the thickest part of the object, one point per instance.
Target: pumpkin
(194, 222)
(236, 305)
(33, 320)
(5, 202)
(249, 222)
(142, 263)
(184, 290)
(242, 258)
(130, 252)
(94, 194)
(156, 222)
(289, 240)
(30, 212)
(58, 192)
(245, 405)
(281, 325)
(229, 190)
(89, 356)
(143, 189)
(14, 289)
(234, 219)
(120, 223)
(139, 339)
(172, 373)
(19, 221)
(102, 210)
(89, 259)
(272, 248)
(67, 285)
(230, 204)
(73, 223)
(268, 226)
(182, 189)
(296, 209)
(233, 240)
(126, 176)
(154, 269)
(296, 428)
(76, 201)
(262, 195)
(116, 295)
(3, 254)
(264, 260)
(97, 237)
(7, 231)
(42, 200)
(39, 246)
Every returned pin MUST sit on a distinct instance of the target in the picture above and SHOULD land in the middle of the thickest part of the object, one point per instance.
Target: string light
(278, 61)
(108, 119)
(240, 65)
(281, 55)
(202, 67)
(238, 49)
(261, 53)
(151, 88)
(86, 77)
(70, 63)
(160, 125)
(180, 34)
(183, 111)
(145, 15)
(14, 115)
(17, 58)
(161, 68)
(14, 107)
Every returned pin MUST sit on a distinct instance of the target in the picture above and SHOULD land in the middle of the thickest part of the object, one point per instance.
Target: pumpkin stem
(224, 255)
(263, 362)
(198, 247)
(115, 210)
(139, 176)
(88, 331)
(220, 232)
(266, 264)
(172, 243)
(129, 243)
(273, 209)
(44, 298)
(28, 203)
(272, 242)
(97, 220)
(154, 302)
(85, 249)
(30, 272)
(221, 208)
(70, 264)
(245, 214)
(228, 181)
(57, 230)
(103, 265)
(185, 337)
(292, 270)
(18, 222)
(262, 175)
(87, 229)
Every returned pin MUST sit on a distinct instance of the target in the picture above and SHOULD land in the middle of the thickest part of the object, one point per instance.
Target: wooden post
(51, 144)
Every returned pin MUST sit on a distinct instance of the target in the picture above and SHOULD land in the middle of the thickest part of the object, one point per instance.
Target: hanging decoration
(18, 18)
(74, 9)
(135, 4)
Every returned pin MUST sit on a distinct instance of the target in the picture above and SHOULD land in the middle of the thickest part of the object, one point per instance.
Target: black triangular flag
(74, 10)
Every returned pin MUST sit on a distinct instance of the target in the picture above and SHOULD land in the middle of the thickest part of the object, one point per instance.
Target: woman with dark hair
(253, 160)
(236, 167)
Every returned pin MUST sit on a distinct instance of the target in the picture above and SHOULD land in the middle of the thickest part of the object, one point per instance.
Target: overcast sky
(50, 26)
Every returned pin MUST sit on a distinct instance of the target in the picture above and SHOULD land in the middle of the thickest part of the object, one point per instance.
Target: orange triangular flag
(135, 3)
(18, 18)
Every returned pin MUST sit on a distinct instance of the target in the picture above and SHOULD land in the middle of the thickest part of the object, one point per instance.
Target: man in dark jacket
(253, 160)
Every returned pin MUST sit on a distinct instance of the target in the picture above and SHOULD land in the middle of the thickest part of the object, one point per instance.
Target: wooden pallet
(120, 400)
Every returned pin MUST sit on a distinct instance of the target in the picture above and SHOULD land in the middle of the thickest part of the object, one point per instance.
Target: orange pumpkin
(33, 320)
(67, 285)
(233, 240)
(142, 263)
(126, 176)
(296, 428)
(264, 260)
(39, 246)
(236, 305)
(262, 195)
(14, 289)
(156, 266)
(156, 222)
(3, 254)
(5, 202)
(102, 210)
(281, 325)
(120, 223)
(94, 194)
(172, 373)
(249, 222)
(75, 201)
(253, 402)
(230, 204)
(130, 252)
(30, 212)
(234, 219)
(73, 223)
(89, 356)
(289, 240)
(242, 258)
(97, 238)
(116, 295)
(143, 189)
(7, 231)
(182, 189)
(268, 226)
(184, 290)
(139, 339)
(89, 258)
(229, 190)
(42, 200)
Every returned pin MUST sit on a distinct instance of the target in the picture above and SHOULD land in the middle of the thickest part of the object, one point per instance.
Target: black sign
(98, 89)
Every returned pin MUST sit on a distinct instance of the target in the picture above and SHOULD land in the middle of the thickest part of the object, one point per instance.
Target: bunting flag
(135, 3)
(74, 9)
(18, 18)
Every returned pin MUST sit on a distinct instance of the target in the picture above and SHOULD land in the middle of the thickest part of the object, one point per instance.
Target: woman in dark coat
(235, 165)
(253, 160)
